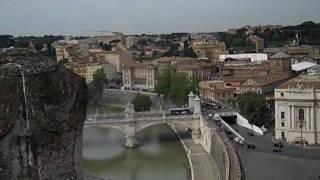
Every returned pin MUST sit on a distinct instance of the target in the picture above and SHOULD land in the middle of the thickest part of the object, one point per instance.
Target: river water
(161, 157)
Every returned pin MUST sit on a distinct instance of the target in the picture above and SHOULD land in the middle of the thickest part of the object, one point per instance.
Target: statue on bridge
(129, 110)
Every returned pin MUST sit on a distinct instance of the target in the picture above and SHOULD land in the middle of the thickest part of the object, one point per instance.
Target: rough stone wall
(41, 129)
(122, 97)
(221, 150)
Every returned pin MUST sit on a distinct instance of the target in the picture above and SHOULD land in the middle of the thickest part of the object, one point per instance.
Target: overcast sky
(75, 17)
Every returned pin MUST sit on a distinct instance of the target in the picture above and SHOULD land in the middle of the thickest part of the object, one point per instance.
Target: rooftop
(280, 55)
(302, 66)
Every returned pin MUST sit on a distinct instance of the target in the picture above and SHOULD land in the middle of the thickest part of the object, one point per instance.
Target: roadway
(290, 164)
(293, 163)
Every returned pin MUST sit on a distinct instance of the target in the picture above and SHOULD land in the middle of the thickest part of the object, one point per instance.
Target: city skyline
(82, 17)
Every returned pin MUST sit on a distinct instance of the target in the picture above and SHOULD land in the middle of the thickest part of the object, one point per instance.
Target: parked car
(278, 144)
(238, 140)
(250, 133)
(251, 146)
(276, 149)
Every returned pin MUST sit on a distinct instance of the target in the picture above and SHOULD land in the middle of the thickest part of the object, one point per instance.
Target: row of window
(300, 115)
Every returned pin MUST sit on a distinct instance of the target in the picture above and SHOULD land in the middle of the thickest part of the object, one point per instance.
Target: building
(211, 50)
(110, 71)
(258, 42)
(87, 70)
(112, 37)
(297, 109)
(132, 40)
(263, 84)
(139, 76)
(118, 58)
(63, 48)
(216, 91)
(253, 57)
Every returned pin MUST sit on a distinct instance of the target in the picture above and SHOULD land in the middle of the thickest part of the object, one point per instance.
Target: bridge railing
(150, 116)
(106, 116)
(147, 114)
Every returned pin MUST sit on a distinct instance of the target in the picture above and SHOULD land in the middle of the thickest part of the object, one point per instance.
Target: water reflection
(161, 156)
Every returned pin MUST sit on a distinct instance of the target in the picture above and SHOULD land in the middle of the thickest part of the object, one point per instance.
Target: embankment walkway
(203, 167)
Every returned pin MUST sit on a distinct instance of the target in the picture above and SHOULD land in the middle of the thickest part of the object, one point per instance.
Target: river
(161, 157)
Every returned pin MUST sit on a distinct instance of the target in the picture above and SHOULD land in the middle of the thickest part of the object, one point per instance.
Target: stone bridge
(130, 122)
(131, 125)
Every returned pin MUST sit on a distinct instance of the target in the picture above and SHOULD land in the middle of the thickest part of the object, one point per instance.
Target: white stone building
(297, 110)
(139, 76)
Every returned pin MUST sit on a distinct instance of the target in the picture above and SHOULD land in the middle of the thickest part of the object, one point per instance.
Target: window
(282, 94)
(301, 114)
(283, 135)
(282, 124)
(282, 115)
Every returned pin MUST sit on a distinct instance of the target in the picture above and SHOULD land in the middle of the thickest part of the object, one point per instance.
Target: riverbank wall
(123, 97)
(217, 144)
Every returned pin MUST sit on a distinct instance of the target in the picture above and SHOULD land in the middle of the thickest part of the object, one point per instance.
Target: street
(264, 164)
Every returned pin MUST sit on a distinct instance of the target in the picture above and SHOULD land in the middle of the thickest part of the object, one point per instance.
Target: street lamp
(301, 125)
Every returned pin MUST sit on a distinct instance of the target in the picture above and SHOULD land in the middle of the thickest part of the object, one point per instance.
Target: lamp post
(301, 125)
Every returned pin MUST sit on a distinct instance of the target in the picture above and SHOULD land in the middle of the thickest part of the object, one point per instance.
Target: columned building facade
(297, 110)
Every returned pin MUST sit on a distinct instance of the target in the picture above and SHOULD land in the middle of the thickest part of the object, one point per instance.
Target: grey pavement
(204, 167)
(264, 164)
(265, 143)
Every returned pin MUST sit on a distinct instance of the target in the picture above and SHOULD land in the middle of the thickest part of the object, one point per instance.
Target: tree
(155, 54)
(173, 51)
(188, 52)
(141, 103)
(142, 42)
(96, 86)
(179, 88)
(163, 85)
(253, 107)
(176, 85)
(38, 46)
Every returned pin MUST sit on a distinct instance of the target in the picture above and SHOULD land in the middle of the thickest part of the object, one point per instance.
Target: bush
(141, 103)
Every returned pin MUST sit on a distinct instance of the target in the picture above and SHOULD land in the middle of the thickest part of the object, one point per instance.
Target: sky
(86, 17)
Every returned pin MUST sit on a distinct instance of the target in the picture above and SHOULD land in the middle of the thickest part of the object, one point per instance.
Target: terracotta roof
(234, 79)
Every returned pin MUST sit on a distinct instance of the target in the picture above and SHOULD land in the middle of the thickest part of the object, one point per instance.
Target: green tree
(179, 88)
(163, 82)
(38, 46)
(188, 52)
(156, 54)
(142, 42)
(176, 85)
(253, 107)
(96, 86)
(141, 103)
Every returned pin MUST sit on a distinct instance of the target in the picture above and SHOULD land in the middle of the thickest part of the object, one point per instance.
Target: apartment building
(140, 76)
(297, 110)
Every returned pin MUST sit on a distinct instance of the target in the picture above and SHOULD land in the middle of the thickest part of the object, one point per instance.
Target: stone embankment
(123, 97)
(217, 144)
